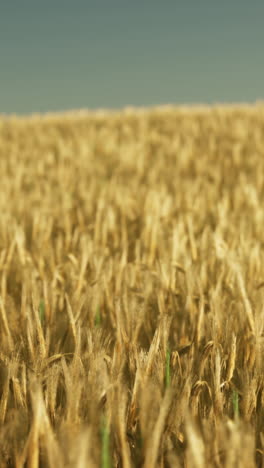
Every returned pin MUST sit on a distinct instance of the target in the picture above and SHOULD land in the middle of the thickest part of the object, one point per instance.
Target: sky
(83, 54)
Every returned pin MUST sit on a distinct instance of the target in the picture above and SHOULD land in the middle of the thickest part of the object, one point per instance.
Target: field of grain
(132, 288)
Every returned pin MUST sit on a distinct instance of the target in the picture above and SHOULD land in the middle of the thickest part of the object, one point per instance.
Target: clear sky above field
(70, 54)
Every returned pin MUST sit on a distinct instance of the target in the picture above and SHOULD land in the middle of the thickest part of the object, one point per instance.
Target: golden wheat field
(132, 288)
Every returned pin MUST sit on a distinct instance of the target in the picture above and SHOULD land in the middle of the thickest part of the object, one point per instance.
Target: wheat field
(132, 288)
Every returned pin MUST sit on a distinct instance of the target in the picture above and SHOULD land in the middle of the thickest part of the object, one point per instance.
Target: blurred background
(65, 55)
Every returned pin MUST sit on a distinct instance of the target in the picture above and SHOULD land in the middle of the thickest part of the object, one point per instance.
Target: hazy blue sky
(58, 55)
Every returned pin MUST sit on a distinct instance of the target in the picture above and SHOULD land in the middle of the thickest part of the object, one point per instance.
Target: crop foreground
(132, 289)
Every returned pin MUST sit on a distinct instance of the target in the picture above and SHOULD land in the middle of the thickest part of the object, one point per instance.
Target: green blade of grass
(235, 400)
(97, 319)
(168, 369)
(105, 435)
(42, 312)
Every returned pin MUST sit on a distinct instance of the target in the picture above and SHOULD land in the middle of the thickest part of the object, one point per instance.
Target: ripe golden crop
(131, 288)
